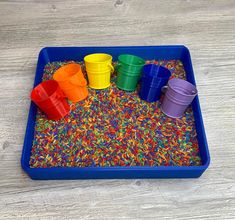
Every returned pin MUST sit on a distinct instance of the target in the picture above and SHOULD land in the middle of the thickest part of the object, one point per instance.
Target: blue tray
(50, 54)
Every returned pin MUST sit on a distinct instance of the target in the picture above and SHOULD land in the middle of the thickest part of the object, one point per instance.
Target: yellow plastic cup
(99, 80)
(98, 62)
(99, 68)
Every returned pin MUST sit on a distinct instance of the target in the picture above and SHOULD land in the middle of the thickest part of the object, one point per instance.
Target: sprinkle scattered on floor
(115, 128)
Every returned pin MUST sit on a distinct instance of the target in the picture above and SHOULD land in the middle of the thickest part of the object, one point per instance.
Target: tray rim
(113, 172)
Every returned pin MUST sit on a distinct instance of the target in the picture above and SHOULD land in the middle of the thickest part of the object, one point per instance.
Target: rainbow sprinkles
(112, 127)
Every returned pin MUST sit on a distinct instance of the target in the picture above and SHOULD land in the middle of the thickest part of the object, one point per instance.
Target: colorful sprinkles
(115, 128)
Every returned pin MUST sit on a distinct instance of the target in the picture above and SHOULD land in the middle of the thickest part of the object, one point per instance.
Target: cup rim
(159, 68)
(109, 58)
(130, 55)
(185, 82)
(62, 70)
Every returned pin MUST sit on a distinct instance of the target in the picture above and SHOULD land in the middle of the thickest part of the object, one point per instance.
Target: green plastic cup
(127, 81)
(129, 70)
(130, 63)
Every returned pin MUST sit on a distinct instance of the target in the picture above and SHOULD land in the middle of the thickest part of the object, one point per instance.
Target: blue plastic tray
(50, 54)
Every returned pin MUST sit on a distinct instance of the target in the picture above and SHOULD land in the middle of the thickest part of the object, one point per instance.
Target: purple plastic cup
(178, 96)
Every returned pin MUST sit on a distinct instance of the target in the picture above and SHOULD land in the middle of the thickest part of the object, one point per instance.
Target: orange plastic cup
(71, 80)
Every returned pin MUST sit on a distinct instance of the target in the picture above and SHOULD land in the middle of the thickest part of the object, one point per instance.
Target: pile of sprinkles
(112, 127)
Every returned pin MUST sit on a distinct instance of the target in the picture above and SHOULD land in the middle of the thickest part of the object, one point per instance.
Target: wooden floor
(206, 27)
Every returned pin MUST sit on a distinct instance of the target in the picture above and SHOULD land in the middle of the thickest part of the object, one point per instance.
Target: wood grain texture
(206, 27)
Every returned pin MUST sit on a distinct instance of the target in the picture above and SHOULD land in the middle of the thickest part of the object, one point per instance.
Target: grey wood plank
(206, 27)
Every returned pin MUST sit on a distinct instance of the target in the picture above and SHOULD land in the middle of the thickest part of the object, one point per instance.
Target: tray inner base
(115, 128)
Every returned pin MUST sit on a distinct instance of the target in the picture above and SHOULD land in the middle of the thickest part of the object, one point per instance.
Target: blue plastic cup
(154, 77)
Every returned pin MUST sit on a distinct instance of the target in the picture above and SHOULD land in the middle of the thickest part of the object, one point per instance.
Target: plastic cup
(99, 68)
(127, 81)
(178, 96)
(50, 99)
(154, 77)
(129, 69)
(98, 62)
(130, 63)
(99, 80)
(71, 80)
